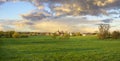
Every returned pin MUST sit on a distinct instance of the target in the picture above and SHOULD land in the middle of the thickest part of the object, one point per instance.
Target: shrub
(66, 36)
(1, 33)
(11, 33)
(16, 35)
(7, 34)
(115, 34)
(78, 34)
(104, 35)
(24, 36)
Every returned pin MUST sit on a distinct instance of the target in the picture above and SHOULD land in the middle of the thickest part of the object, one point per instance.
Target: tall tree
(104, 31)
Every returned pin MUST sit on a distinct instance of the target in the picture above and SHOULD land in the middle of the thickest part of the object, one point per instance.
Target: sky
(13, 10)
(54, 15)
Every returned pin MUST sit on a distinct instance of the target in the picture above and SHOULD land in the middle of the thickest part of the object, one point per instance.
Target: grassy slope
(43, 48)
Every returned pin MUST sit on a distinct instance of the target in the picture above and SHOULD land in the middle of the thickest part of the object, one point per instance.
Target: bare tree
(104, 31)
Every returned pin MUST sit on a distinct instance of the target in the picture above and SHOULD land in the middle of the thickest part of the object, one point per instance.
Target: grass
(44, 48)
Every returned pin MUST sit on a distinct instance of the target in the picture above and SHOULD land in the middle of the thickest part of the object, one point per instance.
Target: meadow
(45, 48)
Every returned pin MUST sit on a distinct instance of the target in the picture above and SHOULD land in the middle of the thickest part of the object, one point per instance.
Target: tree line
(12, 34)
(58, 34)
(104, 32)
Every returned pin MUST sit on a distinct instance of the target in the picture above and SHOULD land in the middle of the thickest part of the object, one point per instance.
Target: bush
(1, 33)
(24, 36)
(7, 34)
(115, 34)
(100, 36)
(16, 35)
(11, 33)
(104, 35)
(66, 36)
(78, 34)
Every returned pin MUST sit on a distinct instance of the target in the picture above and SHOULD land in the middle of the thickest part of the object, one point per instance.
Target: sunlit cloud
(70, 23)
(67, 15)
(70, 7)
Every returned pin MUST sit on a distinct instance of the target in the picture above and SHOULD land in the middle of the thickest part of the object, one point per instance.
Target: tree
(1, 33)
(11, 33)
(54, 35)
(24, 36)
(115, 34)
(8, 34)
(78, 34)
(65, 36)
(16, 35)
(104, 31)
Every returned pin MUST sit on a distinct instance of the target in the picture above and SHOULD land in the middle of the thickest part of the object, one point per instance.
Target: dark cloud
(56, 8)
(77, 7)
(107, 20)
(37, 15)
(34, 17)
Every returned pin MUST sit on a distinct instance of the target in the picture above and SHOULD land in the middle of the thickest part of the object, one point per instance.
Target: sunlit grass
(44, 48)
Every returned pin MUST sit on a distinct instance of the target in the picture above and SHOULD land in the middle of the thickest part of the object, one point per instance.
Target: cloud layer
(55, 8)
(58, 8)
(67, 15)
(71, 24)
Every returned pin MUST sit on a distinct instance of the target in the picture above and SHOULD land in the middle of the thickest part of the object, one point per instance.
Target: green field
(44, 48)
